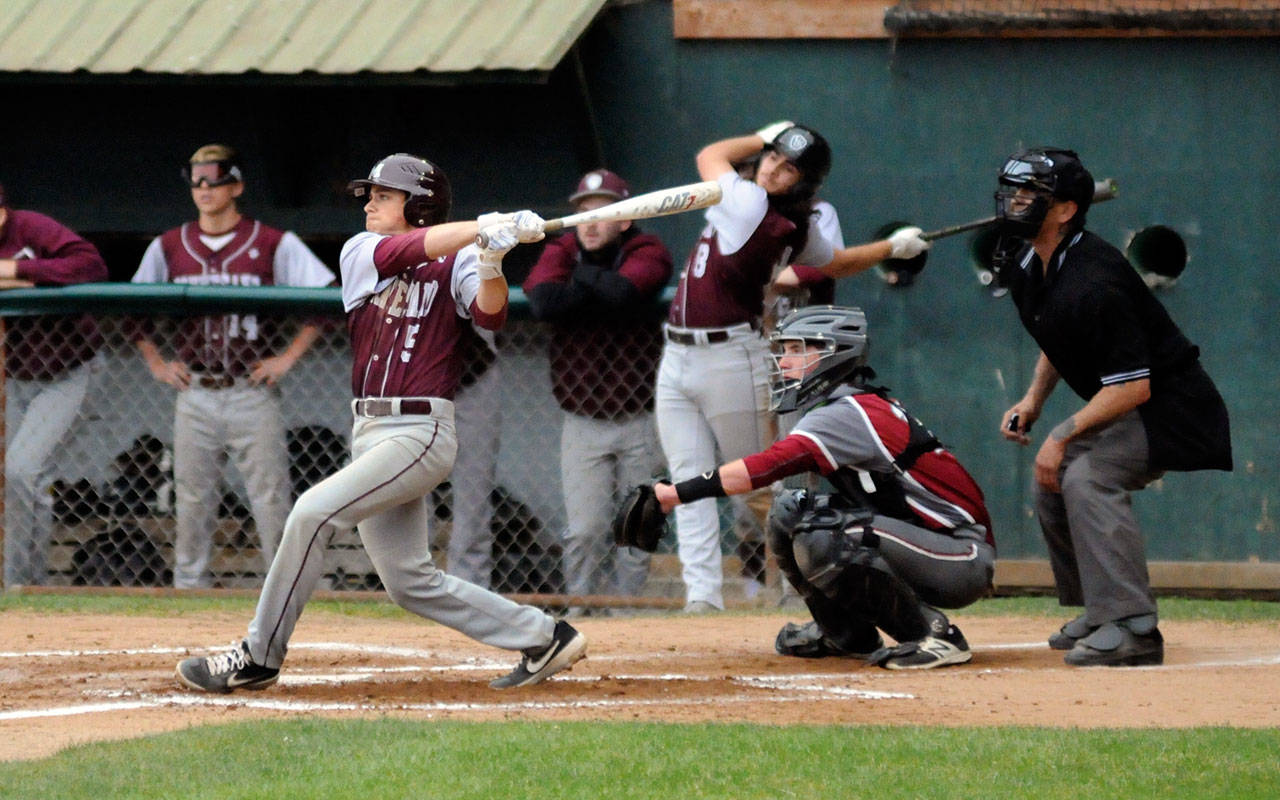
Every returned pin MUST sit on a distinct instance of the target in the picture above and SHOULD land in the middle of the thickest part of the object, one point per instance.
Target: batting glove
(907, 243)
(771, 131)
(528, 226)
(499, 239)
(493, 218)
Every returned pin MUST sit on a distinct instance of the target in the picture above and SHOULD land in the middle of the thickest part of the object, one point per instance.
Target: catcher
(905, 533)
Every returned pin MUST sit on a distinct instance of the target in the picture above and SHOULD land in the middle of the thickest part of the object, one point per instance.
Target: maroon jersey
(718, 290)
(49, 254)
(606, 337)
(254, 255)
(406, 315)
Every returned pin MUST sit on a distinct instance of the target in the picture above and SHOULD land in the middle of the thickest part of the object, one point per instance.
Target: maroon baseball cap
(601, 183)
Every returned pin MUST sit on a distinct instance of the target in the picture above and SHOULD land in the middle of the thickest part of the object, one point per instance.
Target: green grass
(1171, 608)
(400, 759)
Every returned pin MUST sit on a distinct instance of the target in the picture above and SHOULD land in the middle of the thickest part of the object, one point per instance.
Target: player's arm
(788, 456)
(271, 369)
(171, 373)
(902, 243)
(719, 157)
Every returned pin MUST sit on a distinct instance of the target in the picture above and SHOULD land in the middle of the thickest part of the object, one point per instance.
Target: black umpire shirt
(1099, 324)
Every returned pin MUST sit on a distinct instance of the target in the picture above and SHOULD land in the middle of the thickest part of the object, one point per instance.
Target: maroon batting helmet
(429, 194)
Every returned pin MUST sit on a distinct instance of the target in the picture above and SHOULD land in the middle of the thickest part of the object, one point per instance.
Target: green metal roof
(287, 37)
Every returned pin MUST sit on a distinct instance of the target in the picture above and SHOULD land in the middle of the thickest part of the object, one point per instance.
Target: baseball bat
(659, 203)
(1104, 189)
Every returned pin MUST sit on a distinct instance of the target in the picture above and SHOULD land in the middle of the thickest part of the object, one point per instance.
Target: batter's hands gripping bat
(1104, 189)
(660, 203)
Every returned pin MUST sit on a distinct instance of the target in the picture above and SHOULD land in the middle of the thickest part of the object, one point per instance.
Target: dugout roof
(289, 37)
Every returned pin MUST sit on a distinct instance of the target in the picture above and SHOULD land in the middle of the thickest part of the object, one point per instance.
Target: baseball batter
(713, 387)
(408, 293)
(49, 360)
(907, 530)
(226, 369)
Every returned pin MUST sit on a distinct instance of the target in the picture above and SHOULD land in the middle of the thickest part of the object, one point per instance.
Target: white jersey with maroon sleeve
(405, 315)
(736, 255)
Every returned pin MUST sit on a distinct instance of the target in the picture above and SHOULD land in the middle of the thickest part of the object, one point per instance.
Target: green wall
(1189, 128)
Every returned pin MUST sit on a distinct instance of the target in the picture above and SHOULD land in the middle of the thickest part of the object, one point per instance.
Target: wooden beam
(780, 19)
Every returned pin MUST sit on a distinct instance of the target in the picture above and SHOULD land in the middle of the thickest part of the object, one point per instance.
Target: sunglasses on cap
(211, 173)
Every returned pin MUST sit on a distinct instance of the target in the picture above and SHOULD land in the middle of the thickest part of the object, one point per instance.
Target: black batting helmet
(840, 333)
(1049, 172)
(804, 147)
(429, 194)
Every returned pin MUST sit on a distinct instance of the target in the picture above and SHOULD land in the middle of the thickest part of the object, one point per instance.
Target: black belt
(713, 337)
(223, 381)
(390, 407)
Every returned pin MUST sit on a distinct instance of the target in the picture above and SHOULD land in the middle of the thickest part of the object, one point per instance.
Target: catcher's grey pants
(478, 417)
(600, 460)
(396, 462)
(1096, 548)
(712, 406)
(39, 416)
(245, 423)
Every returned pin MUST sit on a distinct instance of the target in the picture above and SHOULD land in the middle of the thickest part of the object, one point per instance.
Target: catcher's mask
(1031, 180)
(815, 349)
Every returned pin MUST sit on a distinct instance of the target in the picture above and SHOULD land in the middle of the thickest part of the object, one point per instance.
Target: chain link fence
(90, 488)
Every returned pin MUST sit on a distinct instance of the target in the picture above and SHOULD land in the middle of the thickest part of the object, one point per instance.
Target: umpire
(1149, 405)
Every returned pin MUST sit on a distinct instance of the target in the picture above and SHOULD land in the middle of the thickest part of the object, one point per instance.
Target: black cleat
(226, 672)
(567, 647)
(1115, 645)
(808, 641)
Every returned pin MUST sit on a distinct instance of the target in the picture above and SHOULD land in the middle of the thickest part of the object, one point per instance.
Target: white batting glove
(493, 218)
(770, 132)
(499, 239)
(528, 226)
(907, 243)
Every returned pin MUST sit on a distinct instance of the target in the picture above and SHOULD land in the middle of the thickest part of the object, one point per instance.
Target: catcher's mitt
(640, 521)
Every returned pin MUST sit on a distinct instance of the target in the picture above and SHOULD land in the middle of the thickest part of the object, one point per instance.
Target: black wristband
(705, 485)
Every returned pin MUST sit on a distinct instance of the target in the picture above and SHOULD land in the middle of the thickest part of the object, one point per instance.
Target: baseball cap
(601, 183)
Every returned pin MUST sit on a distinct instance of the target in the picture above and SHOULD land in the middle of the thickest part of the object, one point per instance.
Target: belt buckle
(377, 407)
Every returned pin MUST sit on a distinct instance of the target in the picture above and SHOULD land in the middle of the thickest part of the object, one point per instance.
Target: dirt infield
(71, 678)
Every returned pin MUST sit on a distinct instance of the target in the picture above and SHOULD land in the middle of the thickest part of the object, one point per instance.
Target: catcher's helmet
(841, 335)
(1049, 172)
(429, 194)
(804, 147)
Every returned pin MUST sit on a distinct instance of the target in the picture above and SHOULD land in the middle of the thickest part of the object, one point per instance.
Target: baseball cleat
(1069, 634)
(1115, 645)
(808, 641)
(226, 672)
(567, 647)
(926, 653)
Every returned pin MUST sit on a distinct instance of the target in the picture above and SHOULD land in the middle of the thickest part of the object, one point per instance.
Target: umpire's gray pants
(396, 462)
(600, 460)
(1095, 546)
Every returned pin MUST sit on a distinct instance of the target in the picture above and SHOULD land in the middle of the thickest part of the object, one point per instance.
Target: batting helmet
(429, 194)
(804, 147)
(1049, 172)
(840, 333)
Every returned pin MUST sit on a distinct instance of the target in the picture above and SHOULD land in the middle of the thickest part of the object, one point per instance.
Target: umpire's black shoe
(567, 647)
(226, 672)
(1069, 634)
(1116, 644)
(808, 641)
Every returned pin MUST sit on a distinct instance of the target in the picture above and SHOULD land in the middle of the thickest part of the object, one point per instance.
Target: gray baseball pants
(383, 492)
(245, 423)
(1095, 546)
(40, 416)
(478, 418)
(599, 461)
